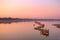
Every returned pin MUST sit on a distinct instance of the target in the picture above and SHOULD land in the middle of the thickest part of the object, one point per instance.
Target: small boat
(39, 25)
(37, 28)
(57, 25)
(42, 25)
(44, 32)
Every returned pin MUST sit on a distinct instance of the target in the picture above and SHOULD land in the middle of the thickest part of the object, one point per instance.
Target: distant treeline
(28, 19)
(8, 18)
(15, 19)
(11, 20)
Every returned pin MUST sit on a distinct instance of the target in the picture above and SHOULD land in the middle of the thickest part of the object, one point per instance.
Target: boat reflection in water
(44, 32)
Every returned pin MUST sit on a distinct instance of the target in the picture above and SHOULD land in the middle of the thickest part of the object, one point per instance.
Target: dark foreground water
(26, 31)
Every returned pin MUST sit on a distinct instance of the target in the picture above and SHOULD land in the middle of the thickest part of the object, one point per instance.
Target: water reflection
(57, 25)
(25, 31)
(40, 28)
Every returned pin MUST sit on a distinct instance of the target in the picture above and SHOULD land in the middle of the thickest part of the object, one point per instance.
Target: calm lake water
(26, 31)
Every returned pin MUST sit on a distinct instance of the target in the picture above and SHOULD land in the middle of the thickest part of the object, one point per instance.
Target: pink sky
(30, 8)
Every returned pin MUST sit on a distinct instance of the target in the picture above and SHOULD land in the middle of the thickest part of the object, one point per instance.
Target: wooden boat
(39, 25)
(44, 32)
(57, 25)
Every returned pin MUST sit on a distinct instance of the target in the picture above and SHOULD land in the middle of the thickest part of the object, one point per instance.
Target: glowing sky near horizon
(30, 8)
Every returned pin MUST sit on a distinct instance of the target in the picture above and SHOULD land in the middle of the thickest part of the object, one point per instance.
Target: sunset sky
(30, 8)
